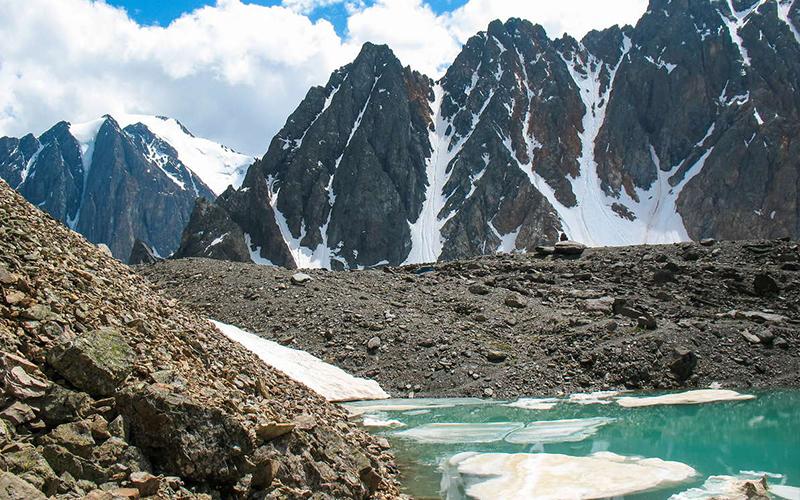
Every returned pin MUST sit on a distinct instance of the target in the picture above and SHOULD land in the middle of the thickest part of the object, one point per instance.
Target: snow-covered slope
(330, 382)
(217, 165)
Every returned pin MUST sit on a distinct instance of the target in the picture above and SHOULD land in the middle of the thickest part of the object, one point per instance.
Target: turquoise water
(722, 438)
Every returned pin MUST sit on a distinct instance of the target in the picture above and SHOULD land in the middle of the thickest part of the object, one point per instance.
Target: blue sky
(162, 12)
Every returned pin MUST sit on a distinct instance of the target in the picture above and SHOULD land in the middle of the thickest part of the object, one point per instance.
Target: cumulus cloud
(233, 71)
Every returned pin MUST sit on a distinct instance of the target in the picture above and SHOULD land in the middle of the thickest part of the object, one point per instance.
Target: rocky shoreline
(112, 390)
(648, 317)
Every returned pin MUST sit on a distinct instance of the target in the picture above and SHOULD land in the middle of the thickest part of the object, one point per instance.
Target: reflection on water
(716, 439)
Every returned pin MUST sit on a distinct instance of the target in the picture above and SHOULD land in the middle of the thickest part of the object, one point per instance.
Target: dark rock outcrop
(142, 253)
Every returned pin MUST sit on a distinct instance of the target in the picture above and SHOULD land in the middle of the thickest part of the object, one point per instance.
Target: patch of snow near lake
(407, 405)
(485, 476)
(330, 382)
(684, 398)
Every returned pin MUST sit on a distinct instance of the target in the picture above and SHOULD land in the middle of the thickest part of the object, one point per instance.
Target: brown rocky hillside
(111, 390)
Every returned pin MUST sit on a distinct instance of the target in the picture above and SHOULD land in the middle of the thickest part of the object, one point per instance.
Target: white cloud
(576, 17)
(231, 72)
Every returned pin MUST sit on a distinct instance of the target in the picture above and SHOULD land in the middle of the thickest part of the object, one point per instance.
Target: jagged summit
(678, 128)
(119, 178)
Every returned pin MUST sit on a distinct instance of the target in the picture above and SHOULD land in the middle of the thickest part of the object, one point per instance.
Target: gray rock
(15, 488)
(184, 437)
(753, 339)
(96, 362)
(569, 248)
(374, 343)
(764, 284)
(683, 363)
(301, 278)
(514, 301)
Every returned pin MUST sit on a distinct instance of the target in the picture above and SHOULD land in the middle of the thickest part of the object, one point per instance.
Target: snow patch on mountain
(218, 166)
(86, 135)
(784, 11)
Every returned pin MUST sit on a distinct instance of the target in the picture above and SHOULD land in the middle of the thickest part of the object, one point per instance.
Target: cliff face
(116, 183)
(682, 127)
(104, 381)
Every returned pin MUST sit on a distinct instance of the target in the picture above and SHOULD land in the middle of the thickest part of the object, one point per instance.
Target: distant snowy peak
(120, 178)
(216, 165)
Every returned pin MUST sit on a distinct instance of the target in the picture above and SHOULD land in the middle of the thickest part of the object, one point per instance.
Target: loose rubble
(534, 325)
(111, 390)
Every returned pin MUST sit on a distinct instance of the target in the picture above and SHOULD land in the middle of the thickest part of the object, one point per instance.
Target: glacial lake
(745, 439)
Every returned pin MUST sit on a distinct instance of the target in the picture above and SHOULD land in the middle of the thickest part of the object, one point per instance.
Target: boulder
(301, 278)
(494, 356)
(146, 483)
(142, 253)
(18, 413)
(27, 463)
(96, 362)
(764, 284)
(62, 405)
(514, 301)
(683, 363)
(76, 437)
(13, 487)
(183, 437)
(273, 430)
(569, 248)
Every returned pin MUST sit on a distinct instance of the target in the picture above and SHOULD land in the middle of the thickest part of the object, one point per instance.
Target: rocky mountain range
(682, 127)
(118, 179)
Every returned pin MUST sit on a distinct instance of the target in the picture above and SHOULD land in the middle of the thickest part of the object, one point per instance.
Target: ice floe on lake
(745, 486)
(544, 432)
(594, 398)
(405, 405)
(534, 404)
(461, 433)
(496, 476)
(558, 431)
(684, 398)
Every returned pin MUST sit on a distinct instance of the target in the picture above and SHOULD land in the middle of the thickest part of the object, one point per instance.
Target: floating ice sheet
(740, 487)
(684, 398)
(594, 398)
(533, 404)
(496, 476)
(381, 421)
(558, 431)
(362, 407)
(461, 433)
